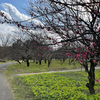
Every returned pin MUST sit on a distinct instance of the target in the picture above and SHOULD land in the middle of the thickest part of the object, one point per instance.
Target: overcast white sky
(16, 14)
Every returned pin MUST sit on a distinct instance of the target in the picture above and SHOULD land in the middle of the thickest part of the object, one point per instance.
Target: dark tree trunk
(27, 61)
(48, 63)
(39, 62)
(18, 61)
(64, 59)
(92, 80)
(91, 77)
(36, 62)
(45, 61)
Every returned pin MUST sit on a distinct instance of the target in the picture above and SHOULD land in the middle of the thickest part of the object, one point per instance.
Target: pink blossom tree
(77, 22)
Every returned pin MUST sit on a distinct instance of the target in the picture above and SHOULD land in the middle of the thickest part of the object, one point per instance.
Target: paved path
(5, 93)
(52, 72)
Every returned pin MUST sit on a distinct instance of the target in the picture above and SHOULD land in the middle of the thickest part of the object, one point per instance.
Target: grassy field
(55, 65)
(50, 86)
(54, 86)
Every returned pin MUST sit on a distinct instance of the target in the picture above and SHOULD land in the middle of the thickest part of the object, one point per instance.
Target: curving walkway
(52, 72)
(5, 93)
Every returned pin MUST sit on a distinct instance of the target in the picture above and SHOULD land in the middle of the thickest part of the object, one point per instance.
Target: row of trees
(24, 48)
(76, 22)
(28, 50)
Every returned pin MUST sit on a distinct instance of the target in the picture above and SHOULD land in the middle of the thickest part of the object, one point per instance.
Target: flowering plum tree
(76, 22)
(25, 48)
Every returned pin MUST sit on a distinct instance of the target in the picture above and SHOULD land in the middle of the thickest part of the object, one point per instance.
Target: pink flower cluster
(77, 56)
(99, 30)
(1, 14)
(97, 80)
(94, 43)
(95, 11)
(95, 62)
(68, 54)
(85, 55)
(80, 61)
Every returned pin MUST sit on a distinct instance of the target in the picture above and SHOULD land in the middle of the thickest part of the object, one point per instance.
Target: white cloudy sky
(6, 28)
(17, 16)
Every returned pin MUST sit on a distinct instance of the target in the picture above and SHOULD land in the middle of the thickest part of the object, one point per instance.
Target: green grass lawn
(54, 86)
(50, 86)
(55, 65)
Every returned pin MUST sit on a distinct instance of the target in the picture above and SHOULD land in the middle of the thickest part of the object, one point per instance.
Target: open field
(54, 86)
(55, 65)
(50, 86)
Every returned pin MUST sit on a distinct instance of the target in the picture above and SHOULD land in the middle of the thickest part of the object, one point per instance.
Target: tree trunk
(91, 77)
(63, 59)
(18, 61)
(27, 61)
(45, 61)
(39, 62)
(48, 63)
(92, 80)
(36, 62)
(90, 85)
